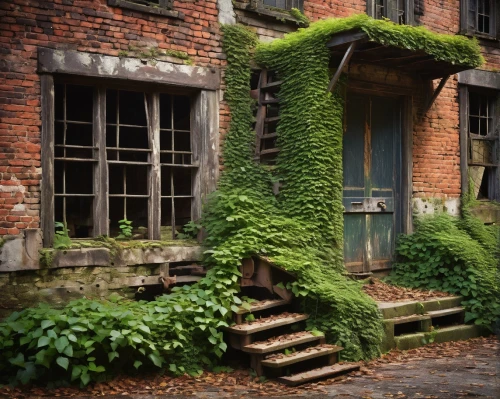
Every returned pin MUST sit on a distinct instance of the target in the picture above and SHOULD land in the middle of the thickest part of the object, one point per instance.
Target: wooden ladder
(267, 117)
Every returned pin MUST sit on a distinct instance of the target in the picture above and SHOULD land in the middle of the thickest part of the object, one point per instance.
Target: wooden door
(372, 182)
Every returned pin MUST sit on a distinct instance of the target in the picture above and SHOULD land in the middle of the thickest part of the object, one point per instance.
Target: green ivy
(459, 256)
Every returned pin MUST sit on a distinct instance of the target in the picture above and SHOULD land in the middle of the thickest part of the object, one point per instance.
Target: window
(482, 154)
(127, 140)
(129, 145)
(479, 17)
(399, 11)
(284, 4)
(161, 7)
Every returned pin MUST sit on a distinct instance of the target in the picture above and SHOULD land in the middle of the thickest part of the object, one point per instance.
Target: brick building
(113, 109)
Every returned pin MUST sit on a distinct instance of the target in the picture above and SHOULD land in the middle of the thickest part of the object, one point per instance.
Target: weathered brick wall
(92, 26)
(89, 26)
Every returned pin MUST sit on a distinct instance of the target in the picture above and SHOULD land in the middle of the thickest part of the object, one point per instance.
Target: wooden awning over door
(416, 62)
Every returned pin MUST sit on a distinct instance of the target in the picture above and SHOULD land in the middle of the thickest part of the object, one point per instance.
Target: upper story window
(284, 4)
(398, 11)
(161, 7)
(480, 17)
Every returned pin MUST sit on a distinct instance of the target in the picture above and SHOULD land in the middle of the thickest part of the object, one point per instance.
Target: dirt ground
(449, 370)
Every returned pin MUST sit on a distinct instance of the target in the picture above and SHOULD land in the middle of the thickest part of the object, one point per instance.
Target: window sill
(145, 9)
(281, 16)
(483, 38)
(147, 253)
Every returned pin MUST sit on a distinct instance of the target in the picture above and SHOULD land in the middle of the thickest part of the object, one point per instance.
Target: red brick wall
(92, 26)
(89, 26)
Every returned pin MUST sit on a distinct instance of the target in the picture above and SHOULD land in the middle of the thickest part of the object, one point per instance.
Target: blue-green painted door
(372, 181)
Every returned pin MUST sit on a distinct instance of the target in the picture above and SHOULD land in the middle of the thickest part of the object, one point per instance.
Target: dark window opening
(284, 4)
(74, 159)
(482, 143)
(176, 160)
(481, 16)
(395, 10)
(128, 145)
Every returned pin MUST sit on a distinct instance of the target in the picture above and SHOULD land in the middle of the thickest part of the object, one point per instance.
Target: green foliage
(61, 237)
(300, 230)
(459, 256)
(299, 16)
(87, 339)
(125, 229)
(189, 231)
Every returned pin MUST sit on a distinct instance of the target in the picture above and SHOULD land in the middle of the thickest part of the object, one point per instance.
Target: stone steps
(412, 324)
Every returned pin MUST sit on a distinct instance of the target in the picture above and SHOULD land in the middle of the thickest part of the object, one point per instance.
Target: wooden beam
(47, 160)
(345, 61)
(347, 37)
(132, 69)
(436, 93)
(154, 217)
(101, 225)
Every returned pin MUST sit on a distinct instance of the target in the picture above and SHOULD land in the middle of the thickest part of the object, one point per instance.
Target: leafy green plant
(459, 256)
(430, 337)
(189, 231)
(125, 229)
(61, 237)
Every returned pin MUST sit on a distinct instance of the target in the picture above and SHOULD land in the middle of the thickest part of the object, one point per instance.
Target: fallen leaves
(242, 382)
(383, 292)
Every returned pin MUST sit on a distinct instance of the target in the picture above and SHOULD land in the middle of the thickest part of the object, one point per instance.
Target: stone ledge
(127, 257)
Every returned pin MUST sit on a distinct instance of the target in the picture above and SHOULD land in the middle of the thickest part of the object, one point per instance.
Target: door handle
(356, 203)
(382, 205)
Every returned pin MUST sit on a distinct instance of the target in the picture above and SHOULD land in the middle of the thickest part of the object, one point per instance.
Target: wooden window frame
(165, 7)
(300, 5)
(409, 18)
(487, 83)
(202, 85)
(494, 23)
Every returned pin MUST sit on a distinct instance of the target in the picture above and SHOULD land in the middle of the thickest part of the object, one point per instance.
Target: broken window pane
(483, 144)
(74, 158)
(177, 167)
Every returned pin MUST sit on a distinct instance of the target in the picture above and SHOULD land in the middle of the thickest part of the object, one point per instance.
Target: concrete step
(446, 312)
(319, 373)
(281, 342)
(453, 333)
(281, 360)
(266, 323)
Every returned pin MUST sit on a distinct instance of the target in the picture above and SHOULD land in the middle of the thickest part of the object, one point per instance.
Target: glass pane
(79, 101)
(59, 101)
(79, 178)
(133, 137)
(137, 180)
(165, 140)
(79, 216)
(165, 181)
(182, 113)
(137, 212)
(111, 101)
(166, 219)
(78, 134)
(116, 173)
(182, 141)
(182, 212)
(182, 181)
(165, 111)
(116, 213)
(132, 108)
